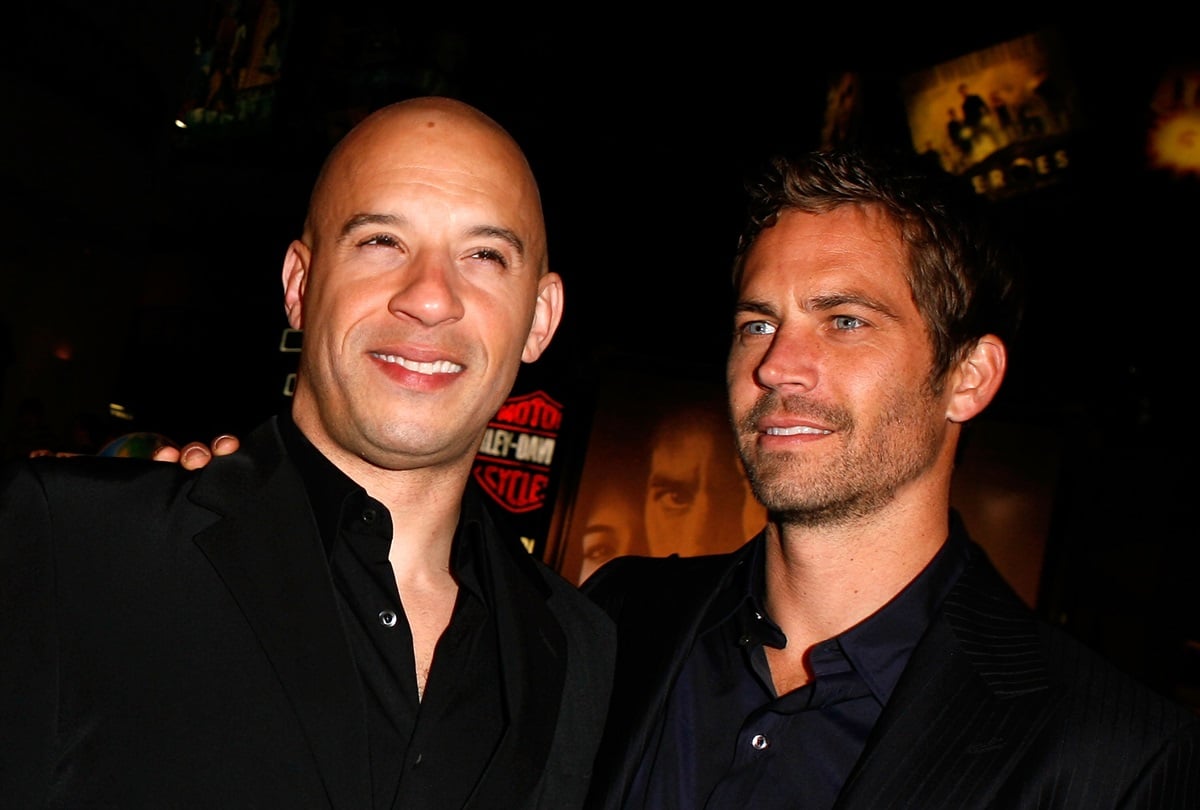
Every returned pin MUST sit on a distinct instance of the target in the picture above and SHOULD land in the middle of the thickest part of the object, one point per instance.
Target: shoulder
(516, 569)
(84, 479)
(1137, 741)
(570, 604)
(1106, 694)
(653, 583)
(1097, 703)
(111, 487)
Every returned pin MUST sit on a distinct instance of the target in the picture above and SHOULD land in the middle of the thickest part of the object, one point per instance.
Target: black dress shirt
(729, 741)
(423, 751)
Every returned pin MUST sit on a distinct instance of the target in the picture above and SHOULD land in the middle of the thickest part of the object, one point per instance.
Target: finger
(225, 444)
(194, 455)
(166, 453)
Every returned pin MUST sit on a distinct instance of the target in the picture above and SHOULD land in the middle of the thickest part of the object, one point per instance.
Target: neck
(823, 580)
(423, 500)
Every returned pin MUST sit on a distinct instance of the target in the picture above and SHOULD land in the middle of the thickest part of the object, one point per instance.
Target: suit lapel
(971, 699)
(533, 664)
(267, 551)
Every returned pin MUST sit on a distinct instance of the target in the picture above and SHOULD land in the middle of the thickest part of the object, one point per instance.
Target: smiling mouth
(798, 430)
(436, 367)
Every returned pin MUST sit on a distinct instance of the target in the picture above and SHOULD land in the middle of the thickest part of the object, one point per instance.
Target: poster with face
(660, 476)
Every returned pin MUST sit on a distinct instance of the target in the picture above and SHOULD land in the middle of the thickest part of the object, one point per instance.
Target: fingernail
(192, 452)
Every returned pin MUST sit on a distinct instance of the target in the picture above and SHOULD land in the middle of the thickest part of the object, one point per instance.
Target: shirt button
(759, 742)
(368, 516)
(387, 618)
(745, 639)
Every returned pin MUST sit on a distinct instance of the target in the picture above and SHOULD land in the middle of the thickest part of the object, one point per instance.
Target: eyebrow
(834, 300)
(820, 303)
(359, 220)
(658, 478)
(496, 232)
(753, 306)
(393, 220)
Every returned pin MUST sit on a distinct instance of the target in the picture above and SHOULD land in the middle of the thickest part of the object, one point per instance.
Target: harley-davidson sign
(513, 462)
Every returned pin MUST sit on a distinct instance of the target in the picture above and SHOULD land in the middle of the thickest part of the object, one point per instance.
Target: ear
(976, 379)
(295, 281)
(547, 313)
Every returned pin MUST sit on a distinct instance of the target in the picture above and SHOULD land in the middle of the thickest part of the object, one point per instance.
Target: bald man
(330, 618)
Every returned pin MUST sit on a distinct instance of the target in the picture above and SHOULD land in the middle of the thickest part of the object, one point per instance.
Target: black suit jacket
(995, 709)
(172, 639)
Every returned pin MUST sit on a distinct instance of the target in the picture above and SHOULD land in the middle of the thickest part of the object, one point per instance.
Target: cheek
(505, 323)
(743, 394)
(333, 306)
(355, 304)
(738, 374)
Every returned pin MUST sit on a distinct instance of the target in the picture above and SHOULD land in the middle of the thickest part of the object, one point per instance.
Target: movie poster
(1002, 117)
(237, 61)
(660, 476)
(842, 121)
(1173, 140)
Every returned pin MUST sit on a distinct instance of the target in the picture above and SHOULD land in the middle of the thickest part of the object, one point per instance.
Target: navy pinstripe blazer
(996, 708)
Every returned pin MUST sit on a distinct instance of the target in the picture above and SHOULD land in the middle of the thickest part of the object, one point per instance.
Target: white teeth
(439, 367)
(796, 431)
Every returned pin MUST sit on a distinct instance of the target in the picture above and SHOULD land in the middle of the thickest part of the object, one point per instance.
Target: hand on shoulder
(196, 455)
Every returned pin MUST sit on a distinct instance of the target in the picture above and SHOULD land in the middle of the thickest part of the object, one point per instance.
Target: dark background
(140, 263)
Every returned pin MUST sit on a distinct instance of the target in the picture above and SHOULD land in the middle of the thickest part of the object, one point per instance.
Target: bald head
(437, 135)
(421, 284)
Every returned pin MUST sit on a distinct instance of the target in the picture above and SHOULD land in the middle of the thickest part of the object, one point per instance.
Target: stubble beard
(877, 459)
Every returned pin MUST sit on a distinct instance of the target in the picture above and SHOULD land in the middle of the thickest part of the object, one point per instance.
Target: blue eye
(758, 328)
(847, 322)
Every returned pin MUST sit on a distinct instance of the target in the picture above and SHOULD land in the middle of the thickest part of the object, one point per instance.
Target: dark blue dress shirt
(729, 741)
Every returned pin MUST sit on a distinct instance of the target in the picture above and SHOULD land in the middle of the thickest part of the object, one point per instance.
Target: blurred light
(1175, 142)
(117, 411)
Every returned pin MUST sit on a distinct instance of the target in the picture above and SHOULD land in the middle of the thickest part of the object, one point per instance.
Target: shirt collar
(327, 487)
(879, 646)
(330, 491)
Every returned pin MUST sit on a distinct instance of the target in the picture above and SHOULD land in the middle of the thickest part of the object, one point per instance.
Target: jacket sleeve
(1171, 780)
(28, 647)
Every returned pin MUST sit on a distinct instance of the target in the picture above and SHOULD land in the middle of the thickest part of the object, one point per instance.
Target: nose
(792, 360)
(427, 291)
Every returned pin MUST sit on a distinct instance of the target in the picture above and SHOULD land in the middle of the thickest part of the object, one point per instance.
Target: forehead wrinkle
(359, 220)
